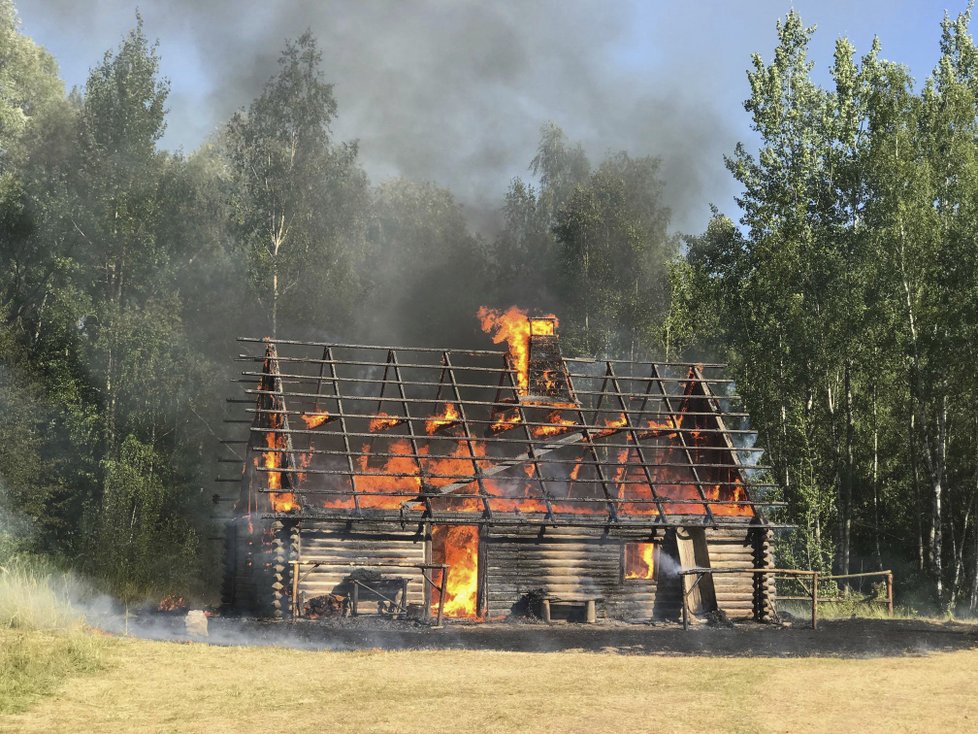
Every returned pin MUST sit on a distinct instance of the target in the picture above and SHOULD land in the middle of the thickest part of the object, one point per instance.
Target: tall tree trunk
(848, 477)
(934, 454)
(955, 591)
(915, 478)
(876, 482)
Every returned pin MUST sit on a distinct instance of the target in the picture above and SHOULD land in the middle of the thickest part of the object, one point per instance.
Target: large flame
(639, 560)
(275, 459)
(641, 478)
(458, 547)
(514, 327)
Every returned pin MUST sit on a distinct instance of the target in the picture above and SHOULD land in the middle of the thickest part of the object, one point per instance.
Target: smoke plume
(449, 92)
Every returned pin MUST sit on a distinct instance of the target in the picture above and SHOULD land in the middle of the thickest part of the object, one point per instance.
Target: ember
(171, 603)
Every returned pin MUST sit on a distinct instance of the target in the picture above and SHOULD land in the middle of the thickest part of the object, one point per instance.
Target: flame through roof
(358, 432)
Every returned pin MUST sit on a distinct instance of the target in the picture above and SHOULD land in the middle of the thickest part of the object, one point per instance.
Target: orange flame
(458, 546)
(505, 420)
(281, 501)
(384, 421)
(514, 327)
(447, 417)
(639, 560)
(558, 425)
(314, 420)
(613, 424)
(575, 472)
(550, 383)
(376, 485)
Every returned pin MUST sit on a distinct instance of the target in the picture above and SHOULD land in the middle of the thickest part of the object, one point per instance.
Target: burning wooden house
(483, 483)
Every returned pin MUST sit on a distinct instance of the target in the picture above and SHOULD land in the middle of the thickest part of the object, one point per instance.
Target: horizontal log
(404, 547)
(557, 591)
(542, 568)
(552, 588)
(738, 593)
(404, 550)
(317, 556)
(563, 548)
(606, 578)
(363, 537)
(548, 560)
(731, 593)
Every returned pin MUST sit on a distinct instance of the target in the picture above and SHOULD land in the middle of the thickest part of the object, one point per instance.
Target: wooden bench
(589, 604)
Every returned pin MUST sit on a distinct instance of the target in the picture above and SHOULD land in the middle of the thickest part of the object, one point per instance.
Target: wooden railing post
(889, 593)
(441, 593)
(682, 578)
(815, 600)
(295, 589)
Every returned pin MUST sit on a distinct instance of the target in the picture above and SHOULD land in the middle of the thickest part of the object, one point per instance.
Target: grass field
(163, 687)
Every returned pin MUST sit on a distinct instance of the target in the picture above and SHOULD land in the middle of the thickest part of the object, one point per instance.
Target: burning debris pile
(419, 462)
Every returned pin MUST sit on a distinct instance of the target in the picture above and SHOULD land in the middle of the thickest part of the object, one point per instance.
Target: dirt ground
(850, 638)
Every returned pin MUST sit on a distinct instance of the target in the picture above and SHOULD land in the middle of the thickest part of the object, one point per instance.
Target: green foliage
(297, 197)
(845, 300)
(140, 544)
(593, 245)
(613, 247)
(28, 80)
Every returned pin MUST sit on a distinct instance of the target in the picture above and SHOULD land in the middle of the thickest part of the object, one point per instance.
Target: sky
(455, 92)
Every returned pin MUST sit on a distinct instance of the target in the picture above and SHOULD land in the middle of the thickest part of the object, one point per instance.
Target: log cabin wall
(742, 595)
(566, 563)
(579, 564)
(342, 547)
(572, 564)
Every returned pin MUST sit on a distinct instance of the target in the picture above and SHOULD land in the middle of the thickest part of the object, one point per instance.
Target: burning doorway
(457, 546)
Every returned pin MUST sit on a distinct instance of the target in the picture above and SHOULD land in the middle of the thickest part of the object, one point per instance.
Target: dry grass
(34, 595)
(42, 637)
(151, 686)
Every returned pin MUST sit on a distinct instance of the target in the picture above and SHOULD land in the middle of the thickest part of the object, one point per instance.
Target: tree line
(129, 270)
(844, 297)
(847, 301)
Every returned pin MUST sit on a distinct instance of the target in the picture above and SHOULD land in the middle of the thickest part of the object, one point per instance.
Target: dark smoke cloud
(454, 91)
